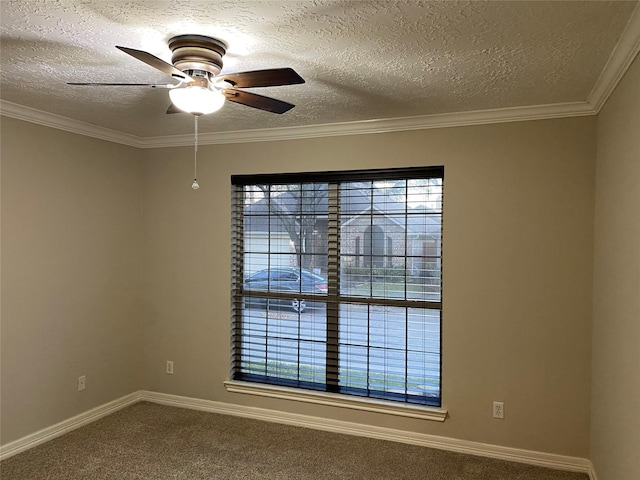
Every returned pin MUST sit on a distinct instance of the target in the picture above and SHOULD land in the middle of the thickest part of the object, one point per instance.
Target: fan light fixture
(197, 99)
(196, 63)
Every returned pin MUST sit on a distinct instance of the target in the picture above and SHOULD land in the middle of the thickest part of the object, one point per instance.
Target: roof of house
(259, 217)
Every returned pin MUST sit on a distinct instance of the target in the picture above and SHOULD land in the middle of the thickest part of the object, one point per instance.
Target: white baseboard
(49, 433)
(549, 460)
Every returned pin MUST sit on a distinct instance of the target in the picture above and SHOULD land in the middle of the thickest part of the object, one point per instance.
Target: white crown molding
(459, 119)
(619, 62)
(479, 117)
(542, 459)
(20, 112)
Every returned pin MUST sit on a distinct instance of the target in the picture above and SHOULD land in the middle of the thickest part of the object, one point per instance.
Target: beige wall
(518, 256)
(518, 267)
(615, 436)
(70, 275)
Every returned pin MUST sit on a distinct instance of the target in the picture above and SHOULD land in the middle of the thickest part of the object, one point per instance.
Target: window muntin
(363, 314)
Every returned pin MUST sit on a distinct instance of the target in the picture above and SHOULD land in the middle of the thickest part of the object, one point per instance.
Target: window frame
(299, 392)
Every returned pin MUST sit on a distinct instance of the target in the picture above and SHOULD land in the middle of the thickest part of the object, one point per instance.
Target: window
(337, 282)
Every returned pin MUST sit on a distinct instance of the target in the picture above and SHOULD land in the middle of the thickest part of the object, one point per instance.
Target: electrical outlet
(82, 383)
(498, 410)
(169, 367)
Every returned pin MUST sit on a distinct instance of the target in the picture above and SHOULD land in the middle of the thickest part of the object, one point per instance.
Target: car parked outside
(284, 280)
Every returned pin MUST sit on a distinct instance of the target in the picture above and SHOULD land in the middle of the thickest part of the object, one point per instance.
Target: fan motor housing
(197, 52)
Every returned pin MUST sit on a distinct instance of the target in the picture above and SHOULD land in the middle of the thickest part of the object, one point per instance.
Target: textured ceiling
(361, 60)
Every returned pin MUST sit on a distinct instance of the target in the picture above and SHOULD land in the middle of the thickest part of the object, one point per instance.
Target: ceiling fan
(196, 65)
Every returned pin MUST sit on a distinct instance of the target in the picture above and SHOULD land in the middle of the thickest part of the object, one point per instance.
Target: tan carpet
(149, 441)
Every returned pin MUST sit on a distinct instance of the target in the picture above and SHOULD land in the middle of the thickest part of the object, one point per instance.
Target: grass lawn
(394, 290)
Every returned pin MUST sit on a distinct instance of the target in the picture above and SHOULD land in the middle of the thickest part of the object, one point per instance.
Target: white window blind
(337, 282)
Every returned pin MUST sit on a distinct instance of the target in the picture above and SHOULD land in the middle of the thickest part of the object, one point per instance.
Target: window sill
(336, 400)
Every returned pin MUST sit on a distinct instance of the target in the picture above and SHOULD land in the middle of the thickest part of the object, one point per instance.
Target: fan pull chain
(195, 185)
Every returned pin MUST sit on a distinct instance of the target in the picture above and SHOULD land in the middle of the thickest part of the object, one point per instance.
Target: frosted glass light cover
(197, 99)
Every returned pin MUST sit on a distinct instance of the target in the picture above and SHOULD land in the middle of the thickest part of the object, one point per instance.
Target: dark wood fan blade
(257, 101)
(156, 62)
(152, 85)
(263, 78)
